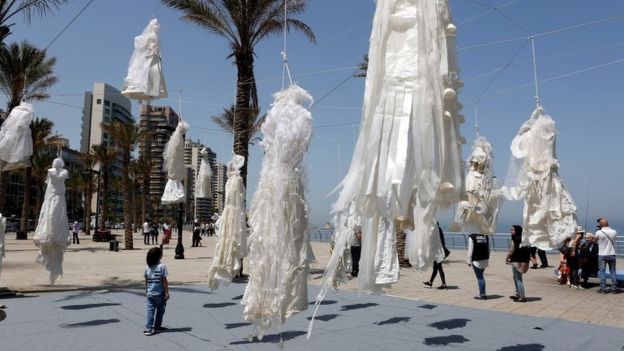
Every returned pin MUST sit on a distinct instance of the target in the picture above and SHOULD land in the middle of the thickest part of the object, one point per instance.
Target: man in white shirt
(146, 232)
(606, 255)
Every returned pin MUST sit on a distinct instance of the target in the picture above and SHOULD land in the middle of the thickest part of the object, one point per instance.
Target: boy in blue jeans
(157, 289)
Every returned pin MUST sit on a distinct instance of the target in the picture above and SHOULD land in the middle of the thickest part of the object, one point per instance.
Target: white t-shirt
(146, 228)
(605, 246)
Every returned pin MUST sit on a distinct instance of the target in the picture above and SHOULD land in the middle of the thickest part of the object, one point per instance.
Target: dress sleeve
(470, 248)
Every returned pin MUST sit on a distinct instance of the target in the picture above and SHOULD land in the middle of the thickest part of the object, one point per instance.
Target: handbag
(523, 267)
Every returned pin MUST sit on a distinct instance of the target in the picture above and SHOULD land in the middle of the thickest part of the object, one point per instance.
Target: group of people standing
(151, 231)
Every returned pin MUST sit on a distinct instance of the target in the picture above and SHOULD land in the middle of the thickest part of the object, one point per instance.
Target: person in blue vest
(478, 258)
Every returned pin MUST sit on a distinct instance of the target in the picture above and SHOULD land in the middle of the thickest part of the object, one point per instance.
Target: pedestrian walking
(157, 291)
(356, 251)
(146, 232)
(75, 232)
(573, 259)
(518, 256)
(478, 258)
(606, 255)
(196, 235)
(437, 264)
(154, 233)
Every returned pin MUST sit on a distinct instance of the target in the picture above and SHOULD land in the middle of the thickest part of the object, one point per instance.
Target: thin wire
(542, 34)
(315, 103)
(69, 24)
(537, 96)
(489, 85)
(561, 76)
(492, 9)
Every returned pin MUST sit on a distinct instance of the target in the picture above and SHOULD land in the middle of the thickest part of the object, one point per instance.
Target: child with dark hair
(157, 289)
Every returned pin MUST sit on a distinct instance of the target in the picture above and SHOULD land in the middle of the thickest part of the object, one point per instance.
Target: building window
(98, 101)
(106, 103)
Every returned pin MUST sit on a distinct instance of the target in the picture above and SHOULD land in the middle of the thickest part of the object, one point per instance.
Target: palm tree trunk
(244, 102)
(87, 209)
(127, 206)
(104, 202)
(26, 201)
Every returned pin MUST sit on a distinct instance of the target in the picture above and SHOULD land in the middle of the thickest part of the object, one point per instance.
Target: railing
(459, 241)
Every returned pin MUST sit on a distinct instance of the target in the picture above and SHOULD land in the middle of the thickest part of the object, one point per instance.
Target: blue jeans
(155, 304)
(480, 280)
(517, 276)
(602, 263)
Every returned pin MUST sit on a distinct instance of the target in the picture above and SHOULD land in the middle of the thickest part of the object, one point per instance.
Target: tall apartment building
(104, 104)
(203, 209)
(160, 121)
(221, 179)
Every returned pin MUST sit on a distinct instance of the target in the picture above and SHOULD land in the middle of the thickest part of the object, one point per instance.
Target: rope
(537, 96)
(492, 9)
(285, 69)
(69, 24)
(542, 34)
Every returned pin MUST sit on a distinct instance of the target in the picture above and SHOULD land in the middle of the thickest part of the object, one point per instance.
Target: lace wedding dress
(15, 136)
(173, 158)
(52, 232)
(203, 183)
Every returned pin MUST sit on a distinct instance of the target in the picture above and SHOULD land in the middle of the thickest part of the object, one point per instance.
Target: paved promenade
(90, 266)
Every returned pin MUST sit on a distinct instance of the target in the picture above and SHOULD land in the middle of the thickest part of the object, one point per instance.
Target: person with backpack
(606, 255)
(519, 257)
(478, 258)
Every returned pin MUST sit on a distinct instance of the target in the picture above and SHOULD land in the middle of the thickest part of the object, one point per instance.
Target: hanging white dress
(173, 164)
(478, 212)
(232, 234)
(15, 136)
(203, 182)
(279, 245)
(2, 234)
(52, 232)
(145, 80)
(549, 215)
(407, 160)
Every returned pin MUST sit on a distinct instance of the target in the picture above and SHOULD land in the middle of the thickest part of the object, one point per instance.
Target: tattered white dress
(173, 157)
(145, 80)
(279, 252)
(478, 212)
(549, 210)
(203, 182)
(52, 232)
(15, 136)
(232, 233)
(407, 161)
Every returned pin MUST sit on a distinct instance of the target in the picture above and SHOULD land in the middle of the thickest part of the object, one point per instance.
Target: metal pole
(179, 250)
(97, 206)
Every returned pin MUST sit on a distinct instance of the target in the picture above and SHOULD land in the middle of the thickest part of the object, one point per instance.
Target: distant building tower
(203, 209)
(160, 121)
(104, 104)
(219, 193)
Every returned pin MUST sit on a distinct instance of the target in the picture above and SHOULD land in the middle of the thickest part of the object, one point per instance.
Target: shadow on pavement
(273, 338)
(445, 340)
(533, 299)
(189, 290)
(176, 330)
(93, 323)
(494, 297)
(427, 307)
(219, 305)
(89, 305)
(325, 317)
(454, 323)
(239, 297)
(236, 325)
(358, 306)
(394, 320)
(525, 347)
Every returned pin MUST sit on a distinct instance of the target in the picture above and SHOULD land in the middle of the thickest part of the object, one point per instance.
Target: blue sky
(587, 107)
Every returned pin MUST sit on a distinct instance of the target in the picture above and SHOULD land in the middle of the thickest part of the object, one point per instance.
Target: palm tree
(74, 189)
(243, 24)
(40, 129)
(104, 155)
(40, 164)
(88, 186)
(362, 68)
(25, 74)
(225, 120)
(144, 169)
(126, 137)
(8, 9)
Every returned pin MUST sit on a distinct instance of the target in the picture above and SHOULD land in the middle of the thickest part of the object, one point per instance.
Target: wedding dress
(15, 136)
(478, 212)
(52, 232)
(232, 233)
(203, 183)
(279, 248)
(173, 164)
(549, 215)
(145, 80)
